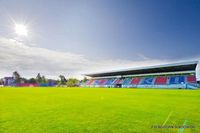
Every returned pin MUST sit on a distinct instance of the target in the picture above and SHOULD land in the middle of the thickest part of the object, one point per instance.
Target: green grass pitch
(98, 110)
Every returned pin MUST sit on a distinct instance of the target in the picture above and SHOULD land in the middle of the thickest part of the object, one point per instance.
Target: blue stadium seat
(96, 82)
(176, 79)
(127, 81)
(147, 81)
(109, 82)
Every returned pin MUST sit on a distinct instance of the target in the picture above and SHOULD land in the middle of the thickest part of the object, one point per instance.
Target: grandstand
(177, 75)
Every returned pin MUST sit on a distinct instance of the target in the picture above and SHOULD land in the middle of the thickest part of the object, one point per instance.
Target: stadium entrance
(118, 86)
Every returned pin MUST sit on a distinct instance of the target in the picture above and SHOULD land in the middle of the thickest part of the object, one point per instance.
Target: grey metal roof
(174, 67)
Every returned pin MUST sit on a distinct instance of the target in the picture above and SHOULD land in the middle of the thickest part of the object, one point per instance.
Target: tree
(32, 81)
(72, 82)
(16, 77)
(62, 80)
(84, 79)
(23, 80)
(1, 82)
(44, 80)
(39, 78)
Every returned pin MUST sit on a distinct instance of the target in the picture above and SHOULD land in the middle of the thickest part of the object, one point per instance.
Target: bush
(72, 82)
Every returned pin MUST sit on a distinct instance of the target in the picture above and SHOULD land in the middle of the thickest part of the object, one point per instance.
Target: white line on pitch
(167, 118)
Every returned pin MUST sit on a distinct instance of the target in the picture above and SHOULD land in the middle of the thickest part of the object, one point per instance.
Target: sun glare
(21, 30)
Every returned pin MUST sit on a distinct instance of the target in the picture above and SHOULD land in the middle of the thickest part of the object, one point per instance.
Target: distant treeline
(39, 80)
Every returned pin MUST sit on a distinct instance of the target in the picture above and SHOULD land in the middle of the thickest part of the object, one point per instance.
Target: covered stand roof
(175, 67)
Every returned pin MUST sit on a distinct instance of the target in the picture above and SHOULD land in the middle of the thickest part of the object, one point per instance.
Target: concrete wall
(198, 71)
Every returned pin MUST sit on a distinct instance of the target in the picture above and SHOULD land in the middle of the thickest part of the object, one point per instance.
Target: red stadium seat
(118, 81)
(135, 81)
(90, 82)
(161, 80)
(102, 81)
(191, 79)
(87, 83)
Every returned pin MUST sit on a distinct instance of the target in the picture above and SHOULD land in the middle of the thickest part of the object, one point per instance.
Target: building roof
(175, 67)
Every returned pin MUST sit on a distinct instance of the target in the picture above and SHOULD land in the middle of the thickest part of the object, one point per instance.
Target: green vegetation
(72, 82)
(78, 110)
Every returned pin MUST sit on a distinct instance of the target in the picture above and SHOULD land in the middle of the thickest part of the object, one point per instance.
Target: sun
(21, 29)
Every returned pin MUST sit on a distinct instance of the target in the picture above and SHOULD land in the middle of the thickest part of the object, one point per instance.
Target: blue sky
(116, 31)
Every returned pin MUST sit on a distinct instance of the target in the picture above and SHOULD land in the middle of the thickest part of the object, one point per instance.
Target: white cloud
(142, 56)
(29, 60)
